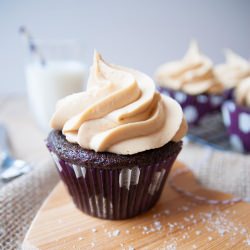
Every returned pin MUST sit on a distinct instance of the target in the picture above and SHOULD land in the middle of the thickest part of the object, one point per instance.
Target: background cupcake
(236, 117)
(233, 71)
(191, 82)
(114, 144)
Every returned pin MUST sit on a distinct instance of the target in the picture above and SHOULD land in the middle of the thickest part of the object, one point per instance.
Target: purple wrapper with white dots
(117, 193)
(195, 107)
(237, 122)
(228, 94)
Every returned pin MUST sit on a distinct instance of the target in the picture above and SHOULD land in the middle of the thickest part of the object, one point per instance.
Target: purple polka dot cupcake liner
(237, 121)
(116, 193)
(195, 107)
(228, 94)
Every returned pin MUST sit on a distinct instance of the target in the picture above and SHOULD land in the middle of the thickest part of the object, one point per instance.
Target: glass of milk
(62, 74)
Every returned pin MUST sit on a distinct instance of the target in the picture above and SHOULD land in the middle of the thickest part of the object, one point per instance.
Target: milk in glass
(48, 83)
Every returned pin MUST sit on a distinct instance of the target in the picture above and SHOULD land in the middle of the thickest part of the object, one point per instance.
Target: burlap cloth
(21, 198)
(227, 172)
(20, 201)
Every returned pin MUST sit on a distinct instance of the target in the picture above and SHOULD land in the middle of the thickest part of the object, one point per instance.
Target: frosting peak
(120, 112)
(242, 93)
(193, 74)
(235, 69)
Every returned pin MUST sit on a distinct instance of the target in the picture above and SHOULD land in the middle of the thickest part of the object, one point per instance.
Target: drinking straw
(32, 45)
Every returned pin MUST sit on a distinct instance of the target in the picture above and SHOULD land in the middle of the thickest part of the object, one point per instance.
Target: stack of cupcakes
(202, 89)
(115, 143)
(192, 83)
(234, 74)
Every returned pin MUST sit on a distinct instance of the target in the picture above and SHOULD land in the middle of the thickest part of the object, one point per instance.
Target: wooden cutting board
(176, 222)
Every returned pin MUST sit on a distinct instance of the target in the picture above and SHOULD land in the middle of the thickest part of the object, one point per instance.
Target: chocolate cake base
(112, 186)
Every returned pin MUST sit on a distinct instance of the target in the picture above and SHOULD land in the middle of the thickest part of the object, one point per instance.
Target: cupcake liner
(228, 94)
(116, 193)
(195, 107)
(237, 121)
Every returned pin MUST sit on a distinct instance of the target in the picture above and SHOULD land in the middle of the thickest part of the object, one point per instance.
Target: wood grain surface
(176, 222)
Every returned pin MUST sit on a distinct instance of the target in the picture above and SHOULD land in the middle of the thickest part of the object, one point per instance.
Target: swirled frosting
(120, 112)
(242, 93)
(193, 74)
(233, 70)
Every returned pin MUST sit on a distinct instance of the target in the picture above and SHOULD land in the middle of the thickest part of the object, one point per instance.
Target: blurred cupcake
(236, 117)
(115, 143)
(191, 82)
(233, 71)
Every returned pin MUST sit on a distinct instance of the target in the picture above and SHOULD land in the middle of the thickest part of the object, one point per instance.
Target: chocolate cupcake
(232, 72)
(236, 117)
(115, 143)
(192, 83)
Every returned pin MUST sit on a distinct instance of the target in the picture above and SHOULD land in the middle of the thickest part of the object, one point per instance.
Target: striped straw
(32, 46)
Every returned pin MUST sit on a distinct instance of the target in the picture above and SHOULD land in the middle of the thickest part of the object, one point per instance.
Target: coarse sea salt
(171, 246)
(166, 211)
(116, 232)
(198, 232)
(247, 241)
(215, 221)
(185, 208)
(157, 225)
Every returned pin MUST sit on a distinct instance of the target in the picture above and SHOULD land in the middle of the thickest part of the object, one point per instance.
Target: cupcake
(115, 143)
(191, 82)
(236, 117)
(233, 71)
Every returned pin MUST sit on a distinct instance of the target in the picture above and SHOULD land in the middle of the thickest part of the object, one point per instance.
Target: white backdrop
(134, 33)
